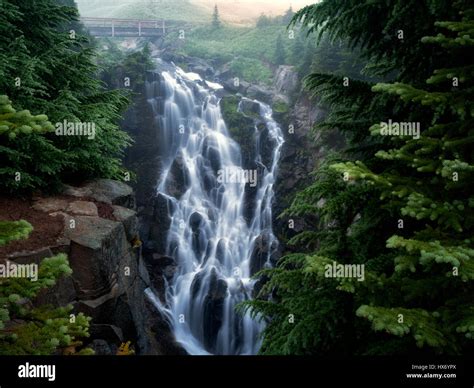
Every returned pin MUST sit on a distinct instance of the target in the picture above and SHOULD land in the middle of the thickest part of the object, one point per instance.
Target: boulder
(101, 308)
(259, 93)
(129, 220)
(177, 180)
(236, 86)
(109, 275)
(286, 79)
(109, 333)
(101, 348)
(83, 208)
(213, 310)
(195, 221)
(204, 71)
(27, 257)
(250, 108)
(96, 248)
(50, 204)
(84, 191)
(105, 190)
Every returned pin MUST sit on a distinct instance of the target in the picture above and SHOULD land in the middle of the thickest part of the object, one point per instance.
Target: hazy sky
(234, 10)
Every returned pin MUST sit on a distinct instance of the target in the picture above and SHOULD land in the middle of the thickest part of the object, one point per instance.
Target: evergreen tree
(280, 54)
(399, 205)
(298, 49)
(288, 15)
(306, 63)
(431, 189)
(263, 21)
(216, 22)
(48, 68)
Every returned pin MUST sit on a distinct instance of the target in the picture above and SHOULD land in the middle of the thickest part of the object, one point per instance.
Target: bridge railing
(115, 24)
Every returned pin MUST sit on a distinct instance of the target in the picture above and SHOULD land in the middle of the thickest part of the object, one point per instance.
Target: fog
(231, 11)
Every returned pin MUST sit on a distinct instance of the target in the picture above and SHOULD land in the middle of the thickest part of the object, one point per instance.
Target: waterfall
(211, 241)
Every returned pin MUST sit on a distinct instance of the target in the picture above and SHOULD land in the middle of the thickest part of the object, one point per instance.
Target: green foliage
(13, 123)
(280, 107)
(264, 21)
(249, 50)
(118, 65)
(280, 55)
(240, 126)
(14, 230)
(39, 330)
(305, 317)
(45, 70)
(253, 52)
(29, 329)
(400, 205)
(250, 70)
(30, 159)
(175, 10)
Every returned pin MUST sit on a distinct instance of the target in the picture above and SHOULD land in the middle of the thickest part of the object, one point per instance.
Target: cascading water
(208, 235)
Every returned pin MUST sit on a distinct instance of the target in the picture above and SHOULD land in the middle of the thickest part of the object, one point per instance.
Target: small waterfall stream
(209, 237)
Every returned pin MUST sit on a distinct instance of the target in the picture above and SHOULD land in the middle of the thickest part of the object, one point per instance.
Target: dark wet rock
(161, 221)
(250, 108)
(209, 181)
(159, 331)
(101, 348)
(221, 250)
(213, 310)
(267, 146)
(259, 93)
(265, 250)
(195, 221)
(162, 265)
(177, 181)
(236, 85)
(161, 268)
(129, 220)
(214, 159)
(109, 333)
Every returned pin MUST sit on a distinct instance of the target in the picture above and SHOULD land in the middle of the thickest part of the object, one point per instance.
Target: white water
(209, 237)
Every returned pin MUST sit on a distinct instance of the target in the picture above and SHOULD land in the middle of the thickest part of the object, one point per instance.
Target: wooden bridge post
(139, 28)
(113, 29)
(163, 24)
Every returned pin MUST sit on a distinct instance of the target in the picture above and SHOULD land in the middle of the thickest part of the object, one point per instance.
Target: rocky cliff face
(100, 236)
(151, 210)
(293, 110)
(301, 151)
